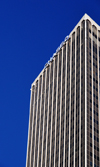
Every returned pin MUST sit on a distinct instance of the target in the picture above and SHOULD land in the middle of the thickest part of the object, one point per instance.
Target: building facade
(64, 128)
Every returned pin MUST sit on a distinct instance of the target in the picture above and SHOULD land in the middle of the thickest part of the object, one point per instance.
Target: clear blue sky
(30, 32)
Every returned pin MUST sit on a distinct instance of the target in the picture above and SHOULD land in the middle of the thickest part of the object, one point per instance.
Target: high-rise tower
(64, 123)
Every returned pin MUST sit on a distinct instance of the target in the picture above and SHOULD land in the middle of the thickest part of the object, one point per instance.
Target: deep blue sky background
(30, 32)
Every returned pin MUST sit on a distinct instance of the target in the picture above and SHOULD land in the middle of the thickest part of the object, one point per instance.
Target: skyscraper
(64, 128)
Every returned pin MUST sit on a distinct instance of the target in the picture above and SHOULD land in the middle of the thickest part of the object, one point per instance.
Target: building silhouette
(64, 128)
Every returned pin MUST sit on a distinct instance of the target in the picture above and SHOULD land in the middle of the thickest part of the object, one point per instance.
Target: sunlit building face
(64, 128)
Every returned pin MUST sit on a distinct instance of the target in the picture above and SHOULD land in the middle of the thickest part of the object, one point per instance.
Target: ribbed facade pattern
(64, 128)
